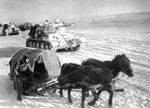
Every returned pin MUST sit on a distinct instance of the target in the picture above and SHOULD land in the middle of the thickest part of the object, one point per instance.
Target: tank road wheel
(34, 45)
(77, 47)
(66, 49)
(30, 43)
(71, 49)
(42, 46)
(37, 45)
(46, 46)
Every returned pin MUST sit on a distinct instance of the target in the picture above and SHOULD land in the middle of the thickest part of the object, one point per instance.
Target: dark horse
(85, 77)
(120, 64)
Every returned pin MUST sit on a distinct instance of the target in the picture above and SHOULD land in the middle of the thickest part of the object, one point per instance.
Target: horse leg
(99, 92)
(91, 103)
(110, 91)
(87, 94)
(54, 90)
(69, 94)
(61, 89)
(61, 92)
(83, 98)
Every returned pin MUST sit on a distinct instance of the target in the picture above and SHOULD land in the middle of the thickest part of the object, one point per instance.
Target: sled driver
(22, 69)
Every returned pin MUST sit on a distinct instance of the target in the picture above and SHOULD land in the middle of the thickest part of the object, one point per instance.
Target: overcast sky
(20, 10)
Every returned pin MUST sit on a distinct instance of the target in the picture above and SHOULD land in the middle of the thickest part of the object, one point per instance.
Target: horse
(86, 78)
(120, 64)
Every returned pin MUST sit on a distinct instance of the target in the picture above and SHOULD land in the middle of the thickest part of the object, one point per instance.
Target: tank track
(69, 49)
(41, 44)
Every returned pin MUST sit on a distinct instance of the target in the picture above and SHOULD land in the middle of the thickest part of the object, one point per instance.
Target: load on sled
(34, 70)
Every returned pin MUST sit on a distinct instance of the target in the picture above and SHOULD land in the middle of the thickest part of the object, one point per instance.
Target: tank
(25, 26)
(10, 29)
(53, 37)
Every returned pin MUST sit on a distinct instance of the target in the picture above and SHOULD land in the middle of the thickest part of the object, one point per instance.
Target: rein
(96, 84)
(24, 79)
(118, 77)
(114, 80)
(123, 68)
(86, 77)
(39, 73)
(82, 82)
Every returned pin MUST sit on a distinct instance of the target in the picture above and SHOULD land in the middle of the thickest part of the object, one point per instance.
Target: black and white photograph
(74, 53)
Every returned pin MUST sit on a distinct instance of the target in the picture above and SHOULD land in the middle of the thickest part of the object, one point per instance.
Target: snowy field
(106, 38)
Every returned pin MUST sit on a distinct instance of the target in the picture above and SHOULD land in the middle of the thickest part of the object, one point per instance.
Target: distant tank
(10, 29)
(25, 26)
(52, 37)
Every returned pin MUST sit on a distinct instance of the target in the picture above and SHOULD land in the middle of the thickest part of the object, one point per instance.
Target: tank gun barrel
(67, 24)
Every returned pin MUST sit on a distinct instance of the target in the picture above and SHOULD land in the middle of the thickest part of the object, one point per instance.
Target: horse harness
(125, 70)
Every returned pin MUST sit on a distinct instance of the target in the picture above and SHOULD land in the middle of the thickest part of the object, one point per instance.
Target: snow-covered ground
(106, 38)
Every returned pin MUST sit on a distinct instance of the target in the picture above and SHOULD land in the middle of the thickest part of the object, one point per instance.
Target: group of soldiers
(40, 31)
